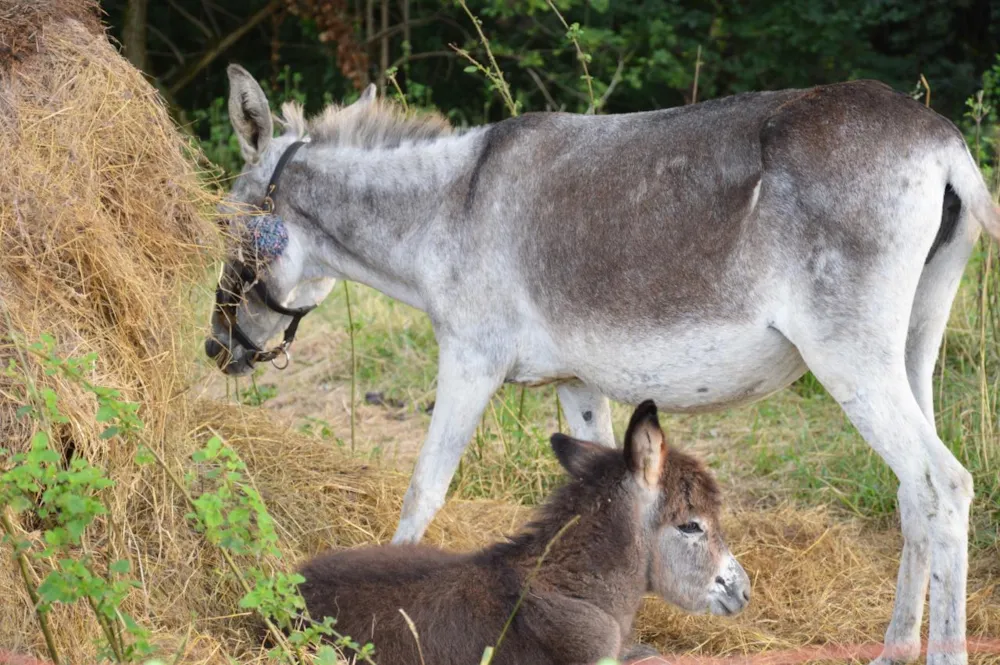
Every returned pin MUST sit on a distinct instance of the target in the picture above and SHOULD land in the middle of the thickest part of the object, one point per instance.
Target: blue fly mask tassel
(266, 237)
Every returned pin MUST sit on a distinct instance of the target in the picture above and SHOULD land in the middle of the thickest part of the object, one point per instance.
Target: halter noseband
(249, 280)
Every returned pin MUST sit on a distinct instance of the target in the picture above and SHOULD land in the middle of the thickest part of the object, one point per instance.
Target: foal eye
(689, 527)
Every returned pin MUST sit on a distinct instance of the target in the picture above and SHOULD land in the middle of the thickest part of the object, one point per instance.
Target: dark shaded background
(317, 50)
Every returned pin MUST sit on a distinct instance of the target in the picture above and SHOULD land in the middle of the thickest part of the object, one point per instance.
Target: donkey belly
(689, 368)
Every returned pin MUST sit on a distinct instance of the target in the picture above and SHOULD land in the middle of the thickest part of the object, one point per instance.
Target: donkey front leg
(587, 412)
(465, 384)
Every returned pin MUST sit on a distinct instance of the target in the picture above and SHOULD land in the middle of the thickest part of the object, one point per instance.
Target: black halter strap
(272, 185)
(249, 280)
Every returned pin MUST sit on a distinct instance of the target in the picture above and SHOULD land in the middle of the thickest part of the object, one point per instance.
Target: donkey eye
(689, 527)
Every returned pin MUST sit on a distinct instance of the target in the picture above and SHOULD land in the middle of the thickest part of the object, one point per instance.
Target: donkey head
(267, 282)
(676, 503)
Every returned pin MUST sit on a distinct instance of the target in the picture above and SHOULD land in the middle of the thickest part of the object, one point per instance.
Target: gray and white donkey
(703, 256)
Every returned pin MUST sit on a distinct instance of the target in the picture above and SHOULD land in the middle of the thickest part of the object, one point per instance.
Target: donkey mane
(378, 124)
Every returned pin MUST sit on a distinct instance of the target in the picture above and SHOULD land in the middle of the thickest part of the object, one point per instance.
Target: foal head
(674, 503)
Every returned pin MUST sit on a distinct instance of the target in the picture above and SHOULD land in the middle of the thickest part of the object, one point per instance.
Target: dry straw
(105, 235)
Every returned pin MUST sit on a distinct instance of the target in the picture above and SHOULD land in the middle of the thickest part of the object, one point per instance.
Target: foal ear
(249, 113)
(645, 445)
(574, 454)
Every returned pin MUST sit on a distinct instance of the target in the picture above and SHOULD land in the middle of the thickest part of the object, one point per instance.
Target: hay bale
(104, 232)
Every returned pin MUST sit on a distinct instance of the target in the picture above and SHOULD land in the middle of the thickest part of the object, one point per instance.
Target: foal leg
(569, 630)
(870, 382)
(587, 412)
(466, 381)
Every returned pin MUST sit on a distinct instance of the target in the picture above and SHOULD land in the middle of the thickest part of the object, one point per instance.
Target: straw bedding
(105, 232)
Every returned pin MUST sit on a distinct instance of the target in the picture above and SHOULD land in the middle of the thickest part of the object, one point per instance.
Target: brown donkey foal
(648, 522)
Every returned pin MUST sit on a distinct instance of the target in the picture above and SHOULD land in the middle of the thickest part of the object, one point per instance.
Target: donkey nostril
(746, 595)
(719, 580)
(212, 348)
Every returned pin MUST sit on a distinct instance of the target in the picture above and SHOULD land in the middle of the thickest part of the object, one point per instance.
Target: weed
(65, 497)
(257, 395)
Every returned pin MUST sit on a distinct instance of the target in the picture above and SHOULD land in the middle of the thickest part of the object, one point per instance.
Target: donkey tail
(967, 181)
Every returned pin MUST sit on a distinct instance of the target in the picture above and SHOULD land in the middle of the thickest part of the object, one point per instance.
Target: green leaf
(105, 412)
(120, 567)
(144, 456)
(76, 504)
(109, 432)
(471, 69)
(56, 537)
(326, 655)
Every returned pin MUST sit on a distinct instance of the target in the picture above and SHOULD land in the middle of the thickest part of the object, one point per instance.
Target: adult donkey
(723, 248)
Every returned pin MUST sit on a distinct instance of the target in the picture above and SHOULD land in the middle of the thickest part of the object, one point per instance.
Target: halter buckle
(281, 351)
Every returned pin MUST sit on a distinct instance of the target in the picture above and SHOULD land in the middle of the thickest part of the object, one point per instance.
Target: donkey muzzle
(730, 591)
(232, 361)
(213, 349)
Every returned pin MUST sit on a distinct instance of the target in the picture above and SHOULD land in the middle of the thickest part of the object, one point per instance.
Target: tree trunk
(134, 34)
(384, 62)
(407, 44)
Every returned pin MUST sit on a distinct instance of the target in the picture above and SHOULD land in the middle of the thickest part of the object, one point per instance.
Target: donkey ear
(645, 445)
(575, 455)
(249, 113)
(367, 96)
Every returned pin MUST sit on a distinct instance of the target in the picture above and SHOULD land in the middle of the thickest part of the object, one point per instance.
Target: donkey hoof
(898, 654)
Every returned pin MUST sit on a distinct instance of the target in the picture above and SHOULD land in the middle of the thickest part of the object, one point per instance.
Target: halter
(248, 280)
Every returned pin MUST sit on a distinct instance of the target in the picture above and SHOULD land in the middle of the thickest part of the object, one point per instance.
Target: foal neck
(587, 542)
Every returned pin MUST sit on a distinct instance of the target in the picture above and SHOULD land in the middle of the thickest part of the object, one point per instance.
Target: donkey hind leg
(464, 389)
(931, 308)
(871, 384)
(587, 412)
(928, 318)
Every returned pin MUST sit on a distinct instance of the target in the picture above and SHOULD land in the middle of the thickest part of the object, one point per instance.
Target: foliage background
(646, 52)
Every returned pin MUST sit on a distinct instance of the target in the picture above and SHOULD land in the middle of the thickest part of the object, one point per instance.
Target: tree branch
(423, 56)
(615, 80)
(399, 27)
(218, 48)
(384, 50)
(192, 19)
(156, 32)
(541, 86)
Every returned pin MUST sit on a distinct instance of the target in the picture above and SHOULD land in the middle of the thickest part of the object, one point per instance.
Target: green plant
(319, 428)
(232, 516)
(64, 495)
(257, 395)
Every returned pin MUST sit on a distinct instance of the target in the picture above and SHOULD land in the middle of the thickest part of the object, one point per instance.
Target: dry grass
(104, 236)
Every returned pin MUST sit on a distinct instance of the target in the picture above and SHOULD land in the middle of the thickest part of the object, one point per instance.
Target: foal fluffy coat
(584, 597)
